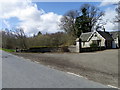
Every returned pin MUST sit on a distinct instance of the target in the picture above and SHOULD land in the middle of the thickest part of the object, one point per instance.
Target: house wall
(98, 37)
(85, 44)
(114, 44)
(117, 42)
(72, 48)
(78, 46)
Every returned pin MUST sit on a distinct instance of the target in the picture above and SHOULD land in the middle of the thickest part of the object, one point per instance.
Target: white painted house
(116, 36)
(101, 38)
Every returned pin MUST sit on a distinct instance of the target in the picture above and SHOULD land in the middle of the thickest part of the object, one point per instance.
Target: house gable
(96, 36)
(99, 36)
(85, 36)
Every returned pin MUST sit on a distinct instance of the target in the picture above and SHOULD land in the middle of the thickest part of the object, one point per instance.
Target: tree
(68, 22)
(89, 15)
(8, 39)
(83, 20)
(39, 33)
(21, 37)
(118, 12)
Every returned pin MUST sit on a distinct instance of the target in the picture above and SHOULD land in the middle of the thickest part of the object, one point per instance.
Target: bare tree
(20, 35)
(77, 21)
(68, 22)
(88, 17)
(8, 39)
(118, 12)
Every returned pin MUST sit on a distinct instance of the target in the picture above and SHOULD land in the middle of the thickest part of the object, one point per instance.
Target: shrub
(93, 45)
(64, 49)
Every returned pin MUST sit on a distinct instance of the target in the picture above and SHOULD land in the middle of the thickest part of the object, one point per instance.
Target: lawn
(7, 50)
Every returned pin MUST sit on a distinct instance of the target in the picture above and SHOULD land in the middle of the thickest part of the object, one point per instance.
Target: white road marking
(22, 57)
(28, 59)
(36, 62)
(112, 86)
(76, 75)
(86, 78)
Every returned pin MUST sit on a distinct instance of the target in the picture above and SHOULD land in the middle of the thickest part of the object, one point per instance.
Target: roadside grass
(7, 50)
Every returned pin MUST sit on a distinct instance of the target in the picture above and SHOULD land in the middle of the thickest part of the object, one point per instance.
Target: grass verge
(7, 50)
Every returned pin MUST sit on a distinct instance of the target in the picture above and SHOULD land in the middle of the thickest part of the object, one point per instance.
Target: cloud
(31, 19)
(108, 2)
(109, 18)
(52, 20)
(6, 23)
(110, 14)
(48, 22)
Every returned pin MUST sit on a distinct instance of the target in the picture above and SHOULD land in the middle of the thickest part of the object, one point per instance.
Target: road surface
(20, 73)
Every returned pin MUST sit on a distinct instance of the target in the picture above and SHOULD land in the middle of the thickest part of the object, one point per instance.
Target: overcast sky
(45, 16)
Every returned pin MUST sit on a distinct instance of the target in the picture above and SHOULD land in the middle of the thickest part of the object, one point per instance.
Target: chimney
(104, 29)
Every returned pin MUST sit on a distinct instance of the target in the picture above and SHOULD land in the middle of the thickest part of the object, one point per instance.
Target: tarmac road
(20, 73)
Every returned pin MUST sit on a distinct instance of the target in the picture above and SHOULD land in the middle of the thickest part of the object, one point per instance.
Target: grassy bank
(7, 50)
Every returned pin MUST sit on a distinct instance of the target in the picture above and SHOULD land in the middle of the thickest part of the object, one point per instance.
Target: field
(101, 66)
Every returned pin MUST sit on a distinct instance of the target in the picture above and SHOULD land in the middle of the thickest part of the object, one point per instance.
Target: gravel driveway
(101, 66)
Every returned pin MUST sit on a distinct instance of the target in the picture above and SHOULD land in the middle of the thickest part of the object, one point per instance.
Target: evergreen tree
(39, 33)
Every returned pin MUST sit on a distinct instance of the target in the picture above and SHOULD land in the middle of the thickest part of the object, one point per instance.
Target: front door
(108, 44)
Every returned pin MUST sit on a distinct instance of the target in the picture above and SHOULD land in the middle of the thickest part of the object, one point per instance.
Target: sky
(45, 16)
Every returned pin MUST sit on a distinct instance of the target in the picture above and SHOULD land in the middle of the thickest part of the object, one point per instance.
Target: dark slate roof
(115, 34)
(105, 35)
(85, 36)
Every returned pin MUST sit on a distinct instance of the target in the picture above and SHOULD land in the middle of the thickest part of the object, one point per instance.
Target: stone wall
(47, 49)
(72, 48)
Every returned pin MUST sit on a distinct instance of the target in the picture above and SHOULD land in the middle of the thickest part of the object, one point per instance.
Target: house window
(83, 43)
(95, 35)
(97, 42)
(94, 41)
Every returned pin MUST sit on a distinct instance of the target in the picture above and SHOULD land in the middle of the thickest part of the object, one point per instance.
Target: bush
(47, 49)
(91, 49)
(64, 49)
(93, 45)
